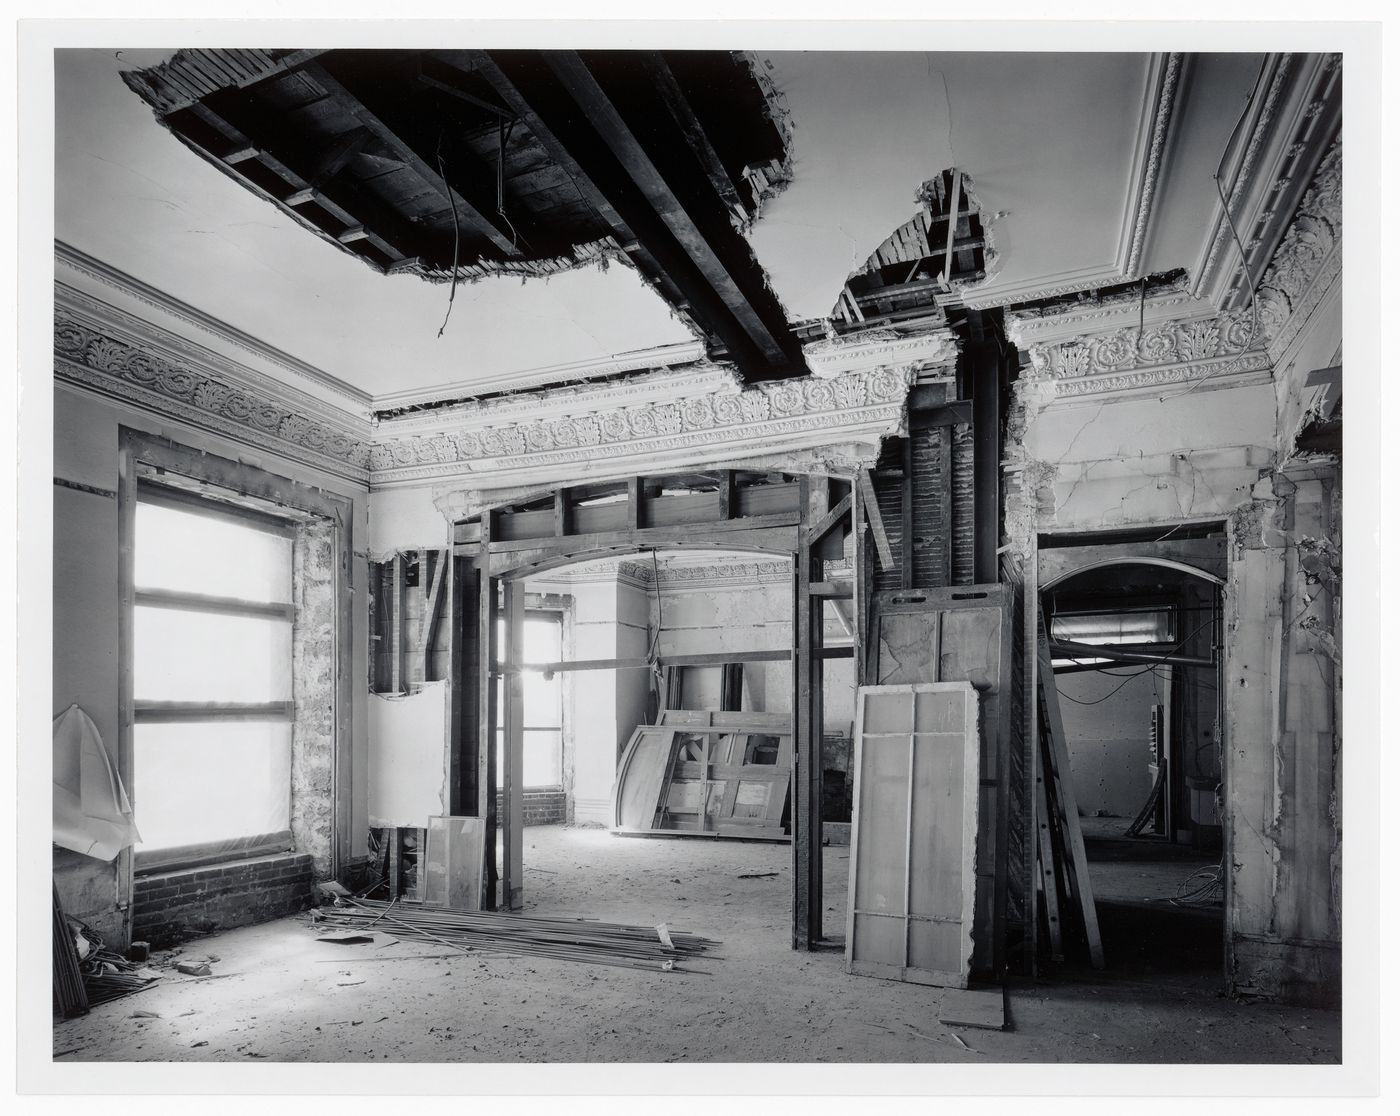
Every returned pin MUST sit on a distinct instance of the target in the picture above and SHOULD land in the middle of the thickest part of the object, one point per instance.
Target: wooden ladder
(1060, 840)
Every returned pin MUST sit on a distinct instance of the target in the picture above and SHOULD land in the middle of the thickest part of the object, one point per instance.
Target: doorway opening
(1137, 647)
(656, 723)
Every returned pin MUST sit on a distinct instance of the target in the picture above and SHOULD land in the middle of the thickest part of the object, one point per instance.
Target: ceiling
(1066, 158)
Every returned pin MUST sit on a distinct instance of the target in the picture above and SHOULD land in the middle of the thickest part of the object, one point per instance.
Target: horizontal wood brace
(192, 712)
(224, 606)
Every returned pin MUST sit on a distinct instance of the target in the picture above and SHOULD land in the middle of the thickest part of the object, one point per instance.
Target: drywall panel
(407, 757)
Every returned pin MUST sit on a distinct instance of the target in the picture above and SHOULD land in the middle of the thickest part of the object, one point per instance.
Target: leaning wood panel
(452, 862)
(961, 634)
(640, 776)
(914, 833)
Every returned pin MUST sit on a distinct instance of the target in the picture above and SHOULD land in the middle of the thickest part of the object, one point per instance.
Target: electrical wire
(456, 236)
(1151, 666)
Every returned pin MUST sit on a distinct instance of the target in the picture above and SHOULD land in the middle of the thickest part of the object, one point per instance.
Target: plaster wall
(85, 667)
(408, 756)
(1194, 456)
(405, 519)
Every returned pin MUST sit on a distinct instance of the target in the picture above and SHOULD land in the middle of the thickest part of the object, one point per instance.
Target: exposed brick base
(172, 906)
(542, 807)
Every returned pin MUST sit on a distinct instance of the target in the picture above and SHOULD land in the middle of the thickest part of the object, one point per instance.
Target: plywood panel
(640, 775)
(914, 833)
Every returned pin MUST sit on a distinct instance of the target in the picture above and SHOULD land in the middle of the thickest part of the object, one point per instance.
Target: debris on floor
(564, 939)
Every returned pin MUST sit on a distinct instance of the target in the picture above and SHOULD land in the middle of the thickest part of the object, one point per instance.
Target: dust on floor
(279, 995)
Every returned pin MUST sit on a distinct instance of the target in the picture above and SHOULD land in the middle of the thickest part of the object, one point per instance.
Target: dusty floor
(278, 995)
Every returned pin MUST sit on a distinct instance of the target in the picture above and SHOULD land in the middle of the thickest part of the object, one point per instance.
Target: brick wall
(542, 807)
(172, 906)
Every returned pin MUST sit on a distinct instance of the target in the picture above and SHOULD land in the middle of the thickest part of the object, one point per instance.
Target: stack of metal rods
(564, 939)
(69, 995)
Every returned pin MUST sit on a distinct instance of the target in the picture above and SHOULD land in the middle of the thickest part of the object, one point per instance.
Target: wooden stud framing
(513, 752)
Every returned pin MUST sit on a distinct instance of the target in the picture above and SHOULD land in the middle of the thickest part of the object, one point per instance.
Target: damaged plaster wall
(1185, 455)
(408, 757)
(313, 666)
(1283, 732)
(405, 519)
(85, 667)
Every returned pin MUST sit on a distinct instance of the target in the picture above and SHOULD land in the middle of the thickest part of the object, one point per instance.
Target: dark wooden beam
(673, 97)
(866, 485)
(407, 137)
(305, 175)
(682, 241)
(575, 76)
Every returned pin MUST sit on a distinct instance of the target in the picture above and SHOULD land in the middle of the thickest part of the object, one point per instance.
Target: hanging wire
(456, 235)
(1151, 666)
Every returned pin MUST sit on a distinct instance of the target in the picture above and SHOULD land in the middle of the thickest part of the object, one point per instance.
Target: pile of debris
(655, 948)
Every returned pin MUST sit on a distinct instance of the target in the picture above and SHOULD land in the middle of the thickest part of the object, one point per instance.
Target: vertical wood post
(512, 780)
(807, 726)
(486, 778)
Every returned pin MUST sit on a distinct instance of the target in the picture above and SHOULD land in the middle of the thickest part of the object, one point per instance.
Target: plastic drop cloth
(91, 813)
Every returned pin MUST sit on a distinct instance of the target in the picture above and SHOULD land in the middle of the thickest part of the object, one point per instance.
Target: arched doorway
(1137, 647)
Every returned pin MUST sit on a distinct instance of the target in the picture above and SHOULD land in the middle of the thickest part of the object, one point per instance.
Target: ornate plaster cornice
(1161, 87)
(1124, 362)
(1287, 133)
(148, 375)
(295, 380)
(1095, 313)
(1308, 260)
(880, 348)
(612, 431)
(1164, 77)
(656, 359)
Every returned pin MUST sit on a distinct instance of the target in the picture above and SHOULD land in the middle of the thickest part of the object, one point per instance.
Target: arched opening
(1137, 648)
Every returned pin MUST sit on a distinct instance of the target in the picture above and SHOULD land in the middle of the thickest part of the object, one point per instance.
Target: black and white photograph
(792, 552)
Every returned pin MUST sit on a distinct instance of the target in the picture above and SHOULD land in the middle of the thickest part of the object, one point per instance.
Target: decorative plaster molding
(1289, 133)
(1308, 260)
(1127, 361)
(1161, 86)
(1090, 314)
(834, 356)
(656, 359)
(137, 375)
(1164, 77)
(289, 370)
(654, 435)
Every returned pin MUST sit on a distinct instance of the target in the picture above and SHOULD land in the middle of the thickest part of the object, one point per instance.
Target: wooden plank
(486, 781)
(224, 606)
(471, 205)
(952, 224)
(195, 712)
(433, 599)
(513, 752)
(906, 509)
(641, 774)
(830, 520)
(393, 628)
(973, 1007)
(866, 485)
(1047, 876)
(1062, 794)
(644, 537)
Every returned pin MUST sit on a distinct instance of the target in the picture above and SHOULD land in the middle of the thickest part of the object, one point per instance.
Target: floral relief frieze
(1169, 343)
(717, 417)
(84, 355)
